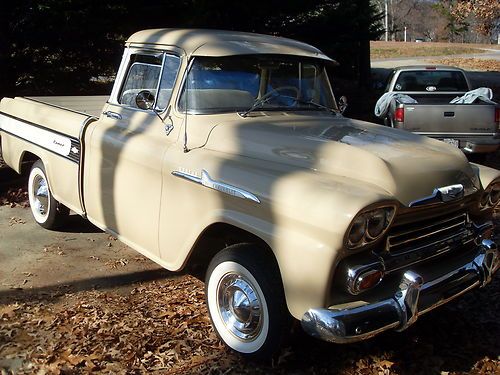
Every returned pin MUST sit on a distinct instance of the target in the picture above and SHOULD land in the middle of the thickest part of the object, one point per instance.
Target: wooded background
(69, 47)
(65, 47)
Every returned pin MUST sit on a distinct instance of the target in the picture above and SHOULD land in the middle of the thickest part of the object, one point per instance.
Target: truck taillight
(497, 118)
(399, 115)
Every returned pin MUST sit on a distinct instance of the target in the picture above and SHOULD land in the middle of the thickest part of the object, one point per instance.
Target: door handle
(113, 115)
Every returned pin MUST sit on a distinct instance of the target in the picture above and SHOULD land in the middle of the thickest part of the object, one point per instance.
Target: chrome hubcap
(40, 195)
(239, 307)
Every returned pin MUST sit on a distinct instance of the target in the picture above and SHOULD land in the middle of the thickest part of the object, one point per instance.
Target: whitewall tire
(45, 209)
(245, 300)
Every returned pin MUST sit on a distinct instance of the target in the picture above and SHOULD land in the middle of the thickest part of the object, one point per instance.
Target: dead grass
(384, 50)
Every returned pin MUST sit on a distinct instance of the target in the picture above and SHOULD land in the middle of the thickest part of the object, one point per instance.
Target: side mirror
(342, 103)
(145, 100)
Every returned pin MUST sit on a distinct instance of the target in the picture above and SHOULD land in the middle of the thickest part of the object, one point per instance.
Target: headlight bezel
(389, 213)
(490, 197)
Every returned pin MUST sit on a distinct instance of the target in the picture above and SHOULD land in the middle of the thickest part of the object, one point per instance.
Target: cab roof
(207, 42)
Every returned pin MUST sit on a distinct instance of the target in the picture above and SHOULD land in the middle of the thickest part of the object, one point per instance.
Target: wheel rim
(40, 195)
(239, 306)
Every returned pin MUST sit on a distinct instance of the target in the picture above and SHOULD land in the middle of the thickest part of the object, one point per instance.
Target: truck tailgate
(450, 118)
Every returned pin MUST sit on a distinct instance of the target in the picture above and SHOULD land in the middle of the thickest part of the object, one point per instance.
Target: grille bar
(418, 235)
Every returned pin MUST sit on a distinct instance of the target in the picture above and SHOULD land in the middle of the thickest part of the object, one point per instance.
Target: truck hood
(407, 166)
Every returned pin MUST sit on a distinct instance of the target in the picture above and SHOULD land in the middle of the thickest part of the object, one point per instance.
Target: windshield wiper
(272, 94)
(317, 105)
(258, 103)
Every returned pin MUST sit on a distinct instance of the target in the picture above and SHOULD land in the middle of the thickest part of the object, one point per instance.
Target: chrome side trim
(402, 309)
(208, 182)
(113, 115)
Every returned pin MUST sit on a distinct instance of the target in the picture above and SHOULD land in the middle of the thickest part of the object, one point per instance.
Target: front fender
(485, 174)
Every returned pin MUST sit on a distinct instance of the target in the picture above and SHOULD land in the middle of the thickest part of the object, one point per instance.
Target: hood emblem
(442, 194)
(449, 193)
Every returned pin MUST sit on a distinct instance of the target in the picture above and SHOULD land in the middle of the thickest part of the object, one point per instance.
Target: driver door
(124, 154)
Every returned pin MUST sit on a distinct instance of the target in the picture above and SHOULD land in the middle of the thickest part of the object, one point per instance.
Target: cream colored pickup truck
(228, 150)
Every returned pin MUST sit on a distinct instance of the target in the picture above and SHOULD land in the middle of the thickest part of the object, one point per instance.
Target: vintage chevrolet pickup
(227, 150)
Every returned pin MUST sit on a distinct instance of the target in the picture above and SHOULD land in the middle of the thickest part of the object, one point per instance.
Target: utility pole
(386, 22)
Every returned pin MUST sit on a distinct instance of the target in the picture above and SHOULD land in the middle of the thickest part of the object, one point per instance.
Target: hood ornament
(449, 193)
(441, 195)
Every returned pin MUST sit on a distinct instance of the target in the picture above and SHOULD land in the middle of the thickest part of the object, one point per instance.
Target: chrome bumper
(402, 309)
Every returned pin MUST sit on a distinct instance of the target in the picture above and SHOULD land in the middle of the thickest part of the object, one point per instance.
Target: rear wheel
(246, 301)
(45, 209)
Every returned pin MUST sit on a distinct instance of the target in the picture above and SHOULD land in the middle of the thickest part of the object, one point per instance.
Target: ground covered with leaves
(484, 65)
(163, 327)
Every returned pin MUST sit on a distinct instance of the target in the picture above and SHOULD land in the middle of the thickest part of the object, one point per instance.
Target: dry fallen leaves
(485, 65)
(158, 327)
(14, 197)
(16, 220)
(163, 327)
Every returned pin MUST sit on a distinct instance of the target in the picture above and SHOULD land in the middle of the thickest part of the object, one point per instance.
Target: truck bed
(51, 133)
(91, 105)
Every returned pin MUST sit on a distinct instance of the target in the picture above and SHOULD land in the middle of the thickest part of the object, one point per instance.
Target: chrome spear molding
(208, 182)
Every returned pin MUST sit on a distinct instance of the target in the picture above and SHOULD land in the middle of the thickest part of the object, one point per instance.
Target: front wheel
(45, 209)
(246, 301)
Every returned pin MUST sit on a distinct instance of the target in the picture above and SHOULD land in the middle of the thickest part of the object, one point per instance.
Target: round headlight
(358, 230)
(495, 195)
(376, 223)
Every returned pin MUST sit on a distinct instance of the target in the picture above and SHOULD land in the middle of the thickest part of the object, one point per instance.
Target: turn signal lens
(368, 280)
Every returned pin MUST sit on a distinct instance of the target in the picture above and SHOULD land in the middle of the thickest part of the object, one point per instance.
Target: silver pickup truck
(474, 128)
(227, 150)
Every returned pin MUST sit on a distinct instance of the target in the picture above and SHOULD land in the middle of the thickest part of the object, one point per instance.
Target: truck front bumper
(402, 309)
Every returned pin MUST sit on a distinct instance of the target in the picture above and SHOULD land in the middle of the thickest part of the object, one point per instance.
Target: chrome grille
(434, 232)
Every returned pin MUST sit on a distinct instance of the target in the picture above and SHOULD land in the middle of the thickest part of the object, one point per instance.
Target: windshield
(431, 80)
(236, 83)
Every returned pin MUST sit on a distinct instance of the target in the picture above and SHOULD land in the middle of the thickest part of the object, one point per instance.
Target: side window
(168, 77)
(143, 74)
